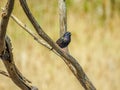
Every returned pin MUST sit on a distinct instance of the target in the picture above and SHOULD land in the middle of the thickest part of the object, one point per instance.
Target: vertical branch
(63, 26)
(62, 16)
(63, 29)
(4, 22)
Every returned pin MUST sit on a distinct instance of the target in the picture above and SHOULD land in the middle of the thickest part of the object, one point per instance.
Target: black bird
(64, 40)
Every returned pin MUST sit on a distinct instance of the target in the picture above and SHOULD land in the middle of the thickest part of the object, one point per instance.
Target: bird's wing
(60, 40)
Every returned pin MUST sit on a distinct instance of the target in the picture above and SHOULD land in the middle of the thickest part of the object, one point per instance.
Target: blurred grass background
(95, 27)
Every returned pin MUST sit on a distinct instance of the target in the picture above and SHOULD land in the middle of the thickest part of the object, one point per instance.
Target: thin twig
(4, 73)
(24, 26)
(29, 31)
(80, 74)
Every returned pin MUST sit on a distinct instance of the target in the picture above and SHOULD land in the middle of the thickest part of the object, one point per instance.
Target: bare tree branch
(79, 73)
(62, 16)
(63, 20)
(24, 26)
(63, 28)
(6, 51)
(4, 73)
(14, 73)
(4, 22)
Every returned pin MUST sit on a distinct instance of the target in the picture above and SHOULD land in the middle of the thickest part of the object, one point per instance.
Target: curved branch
(4, 22)
(14, 73)
(79, 73)
(6, 51)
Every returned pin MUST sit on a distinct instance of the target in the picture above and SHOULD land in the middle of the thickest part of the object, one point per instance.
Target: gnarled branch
(14, 73)
(6, 51)
(4, 22)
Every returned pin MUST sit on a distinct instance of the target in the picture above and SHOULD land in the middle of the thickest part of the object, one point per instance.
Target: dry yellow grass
(95, 46)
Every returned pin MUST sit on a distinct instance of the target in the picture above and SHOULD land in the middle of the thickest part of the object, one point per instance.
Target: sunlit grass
(95, 44)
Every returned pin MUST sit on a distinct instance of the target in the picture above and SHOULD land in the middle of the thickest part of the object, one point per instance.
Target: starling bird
(64, 40)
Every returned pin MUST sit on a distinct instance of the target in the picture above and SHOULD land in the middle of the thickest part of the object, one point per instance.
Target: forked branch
(29, 31)
(78, 71)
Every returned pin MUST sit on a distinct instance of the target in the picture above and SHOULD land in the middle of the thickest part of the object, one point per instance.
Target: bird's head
(67, 34)
(64, 40)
